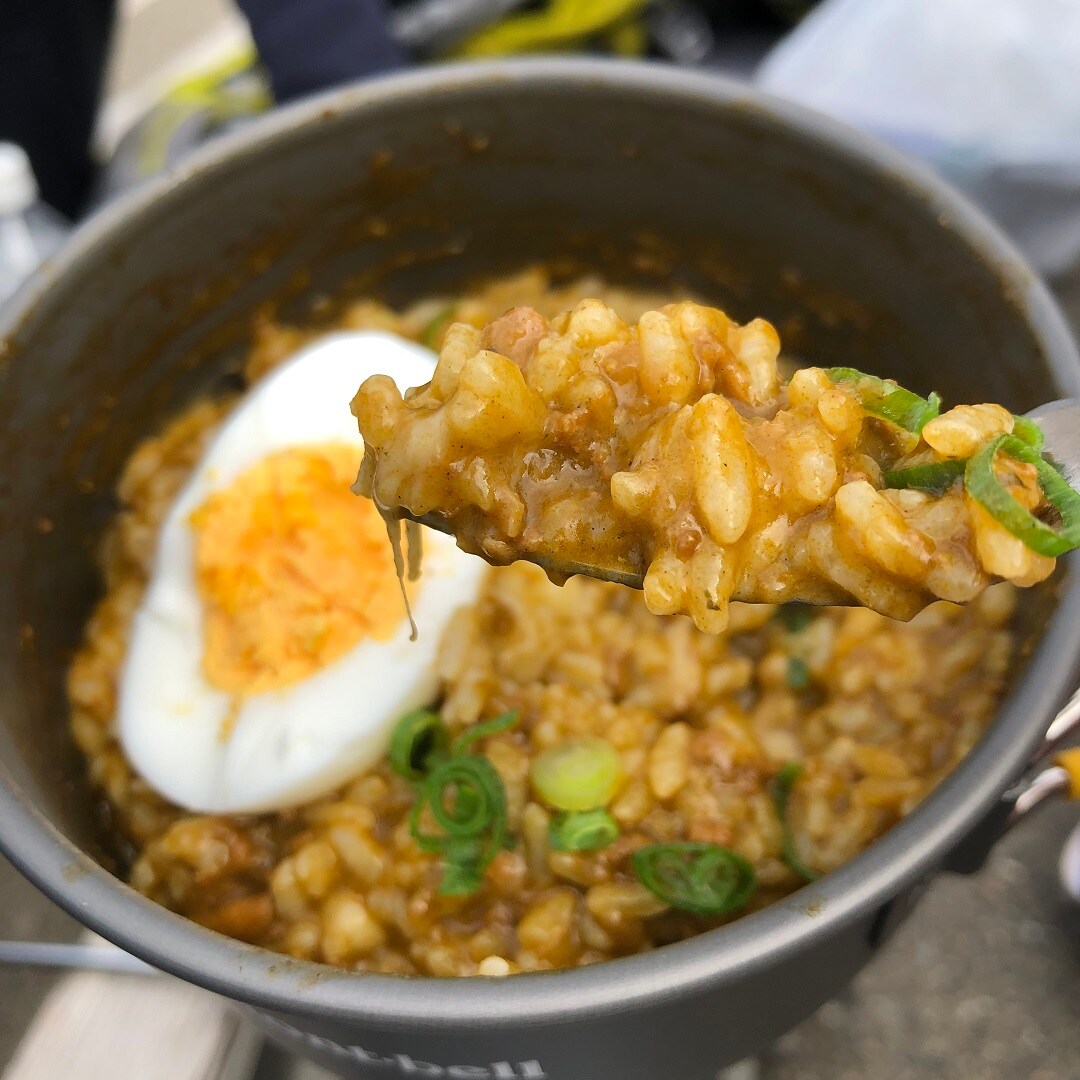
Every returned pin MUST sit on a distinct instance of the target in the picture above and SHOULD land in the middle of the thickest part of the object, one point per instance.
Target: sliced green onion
(916, 415)
(477, 801)
(577, 775)
(886, 399)
(582, 830)
(706, 879)
(463, 868)
(798, 674)
(466, 798)
(782, 784)
(486, 729)
(429, 335)
(419, 739)
(986, 489)
(935, 477)
(796, 617)
(1028, 431)
(850, 374)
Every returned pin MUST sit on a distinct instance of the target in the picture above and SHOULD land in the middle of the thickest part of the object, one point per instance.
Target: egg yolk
(293, 570)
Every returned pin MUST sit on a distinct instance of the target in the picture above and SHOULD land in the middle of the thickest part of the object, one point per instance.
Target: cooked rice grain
(702, 724)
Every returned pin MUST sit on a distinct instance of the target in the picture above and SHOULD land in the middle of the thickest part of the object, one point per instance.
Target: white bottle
(30, 230)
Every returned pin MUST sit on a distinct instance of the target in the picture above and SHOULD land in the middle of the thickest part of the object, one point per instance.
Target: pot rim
(717, 958)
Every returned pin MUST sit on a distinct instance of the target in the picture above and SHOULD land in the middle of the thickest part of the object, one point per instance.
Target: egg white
(291, 745)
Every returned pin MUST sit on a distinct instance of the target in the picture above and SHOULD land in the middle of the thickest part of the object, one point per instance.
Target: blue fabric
(310, 45)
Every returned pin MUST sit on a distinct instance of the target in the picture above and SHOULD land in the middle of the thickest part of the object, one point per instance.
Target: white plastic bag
(987, 91)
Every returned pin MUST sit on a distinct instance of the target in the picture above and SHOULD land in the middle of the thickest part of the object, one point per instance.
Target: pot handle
(1059, 778)
(77, 955)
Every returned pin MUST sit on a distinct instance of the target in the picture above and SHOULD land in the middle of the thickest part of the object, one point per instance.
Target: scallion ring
(705, 879)
(463, 868)
(466, 798)
(798, 673)
(935, 477)
(782, 784)
(796, 617)
(434, 327)
(579, 774)
(987, 490)
(886, 399)
(582, 830)
(1028, 431)
(419, 739)
(486, 729)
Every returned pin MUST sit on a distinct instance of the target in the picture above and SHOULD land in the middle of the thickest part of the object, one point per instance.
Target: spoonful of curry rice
(671, 456)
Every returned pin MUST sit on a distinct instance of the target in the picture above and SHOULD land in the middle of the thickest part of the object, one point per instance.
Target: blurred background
(98, 95)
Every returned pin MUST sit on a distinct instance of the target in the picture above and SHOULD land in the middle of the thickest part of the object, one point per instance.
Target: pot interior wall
(401, 197)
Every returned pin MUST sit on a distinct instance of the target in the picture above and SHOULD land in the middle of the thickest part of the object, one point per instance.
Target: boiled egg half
(270, 656)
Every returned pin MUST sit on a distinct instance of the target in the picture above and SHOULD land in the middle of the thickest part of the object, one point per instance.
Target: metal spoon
(1059, 420)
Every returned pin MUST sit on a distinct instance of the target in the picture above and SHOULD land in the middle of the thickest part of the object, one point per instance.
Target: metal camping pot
(420, 183)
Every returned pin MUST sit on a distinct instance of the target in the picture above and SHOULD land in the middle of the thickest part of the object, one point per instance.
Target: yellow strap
(1069, 760)
(198, 89)
(563, 23)
(628, 37)
(207, 92)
